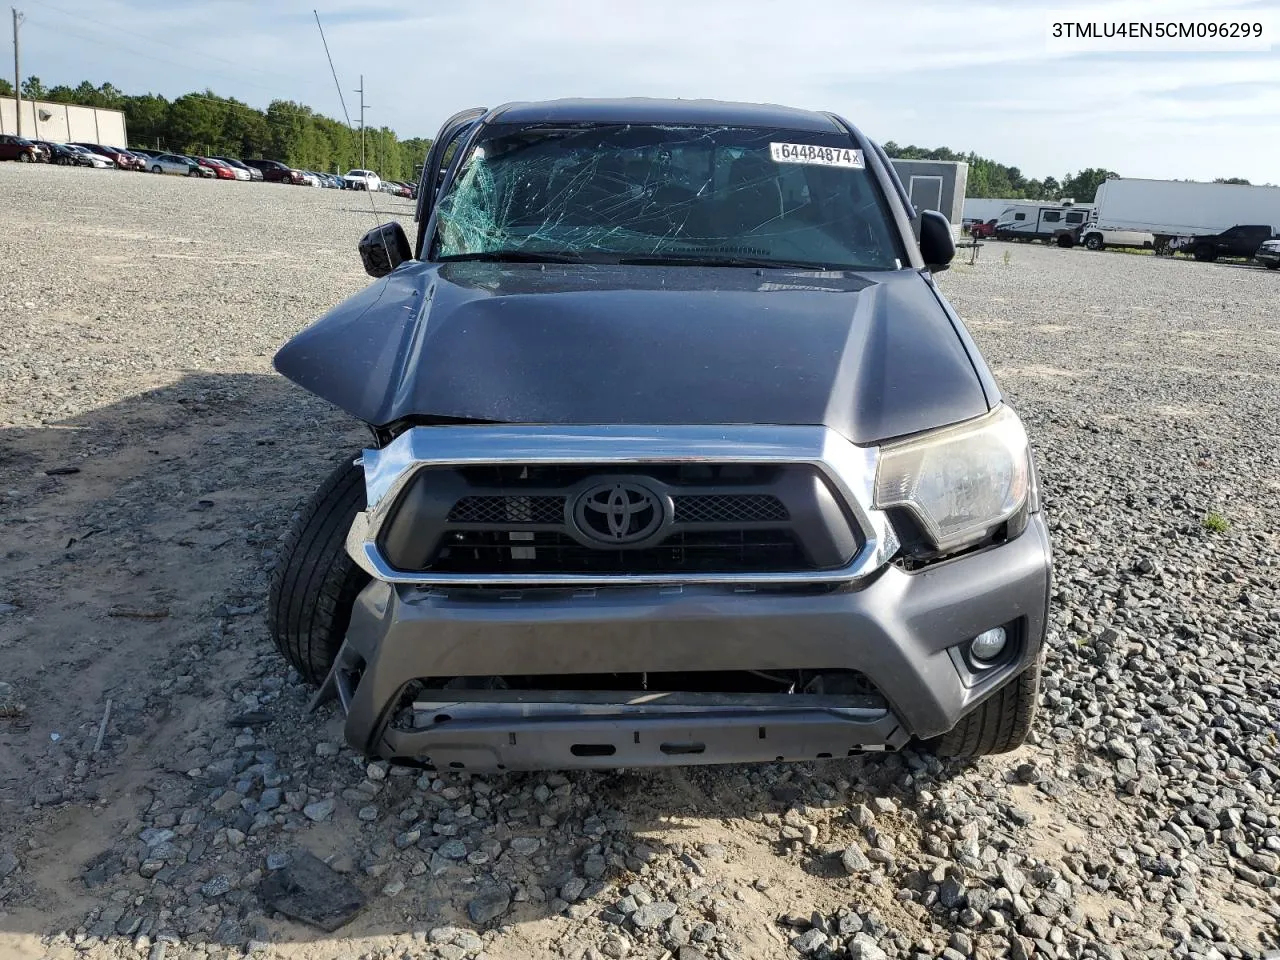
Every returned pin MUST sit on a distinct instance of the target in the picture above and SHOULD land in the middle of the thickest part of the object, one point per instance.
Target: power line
(158, 41)
(341, 99)
(146, 56)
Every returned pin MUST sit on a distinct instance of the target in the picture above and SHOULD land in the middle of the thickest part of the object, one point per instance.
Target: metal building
(935, 185)
(64, 122)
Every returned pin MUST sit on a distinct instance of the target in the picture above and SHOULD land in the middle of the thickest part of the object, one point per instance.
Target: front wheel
(1000, 724)
(315, 583)
(1205, 254)
(24, 158)
(1094, 241)
(157, 169)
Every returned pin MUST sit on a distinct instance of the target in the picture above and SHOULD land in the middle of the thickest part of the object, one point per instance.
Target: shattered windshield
(628, 193)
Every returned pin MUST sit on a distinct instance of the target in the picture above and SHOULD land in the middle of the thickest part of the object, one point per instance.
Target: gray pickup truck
(678, 456)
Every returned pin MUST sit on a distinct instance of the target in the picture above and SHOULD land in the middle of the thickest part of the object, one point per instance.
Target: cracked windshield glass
(647, 194)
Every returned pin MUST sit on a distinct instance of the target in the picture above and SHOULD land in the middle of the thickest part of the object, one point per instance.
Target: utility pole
(17, 69)
(362, 106)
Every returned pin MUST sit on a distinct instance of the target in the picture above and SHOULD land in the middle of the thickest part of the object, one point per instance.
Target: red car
(20, 148)
(980, 230)
(222, 170)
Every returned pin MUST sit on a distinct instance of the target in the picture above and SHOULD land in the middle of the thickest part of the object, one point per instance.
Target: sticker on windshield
(812, 153)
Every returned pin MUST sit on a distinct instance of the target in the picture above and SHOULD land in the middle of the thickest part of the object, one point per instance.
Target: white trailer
(982, 209)
(1033, 220)
(1183, 208)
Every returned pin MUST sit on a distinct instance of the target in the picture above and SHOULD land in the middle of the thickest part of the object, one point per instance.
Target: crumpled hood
(871, 355)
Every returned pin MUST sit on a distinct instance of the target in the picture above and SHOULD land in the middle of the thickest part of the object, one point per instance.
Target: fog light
(988, 644)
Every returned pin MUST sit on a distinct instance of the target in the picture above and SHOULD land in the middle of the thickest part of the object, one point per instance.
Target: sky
(977, 75)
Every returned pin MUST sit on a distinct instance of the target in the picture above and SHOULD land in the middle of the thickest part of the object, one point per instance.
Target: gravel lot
(150, 461)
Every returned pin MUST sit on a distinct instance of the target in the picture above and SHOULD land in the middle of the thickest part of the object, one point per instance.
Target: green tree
(6, 88)
(33, 89)
(1082, 186)
(1240, 180)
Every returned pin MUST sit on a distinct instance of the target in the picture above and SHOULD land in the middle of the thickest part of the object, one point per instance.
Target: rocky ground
(161, 784)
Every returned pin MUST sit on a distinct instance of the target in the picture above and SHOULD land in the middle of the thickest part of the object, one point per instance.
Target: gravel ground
(161, 782)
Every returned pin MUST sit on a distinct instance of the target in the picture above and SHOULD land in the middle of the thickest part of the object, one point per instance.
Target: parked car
(750, 493)
(116, 156)
(175, 164)
(22, 149)
(62, 154)
(362, 180)
(1242, 240)
(980, 229)
(1096, 238)
(224, 171)
(1269, 254)
(127, 160)
(251, 173)
(89, 158)
(310, 178)
(147, 155)
(273, 171)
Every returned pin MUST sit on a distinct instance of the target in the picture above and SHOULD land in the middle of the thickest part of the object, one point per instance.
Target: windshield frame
(901, 221)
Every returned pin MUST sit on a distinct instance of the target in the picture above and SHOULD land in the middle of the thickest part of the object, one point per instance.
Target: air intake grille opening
(492, 551)
(503, 509)
(730, 508)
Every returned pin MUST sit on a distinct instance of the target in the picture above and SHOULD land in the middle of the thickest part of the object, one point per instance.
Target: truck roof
(645, 110)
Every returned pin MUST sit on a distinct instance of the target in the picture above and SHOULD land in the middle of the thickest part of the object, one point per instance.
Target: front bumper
(903, 631)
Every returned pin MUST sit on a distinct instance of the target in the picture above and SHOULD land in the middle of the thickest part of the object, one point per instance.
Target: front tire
(1205, 254)
(1094, 241)
(1000, 724)
(315, 583)
(24, 158)
(157, 169)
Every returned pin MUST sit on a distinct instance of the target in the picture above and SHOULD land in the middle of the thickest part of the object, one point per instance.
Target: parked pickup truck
(1096, 238)
(1242, 240)
(661, 472)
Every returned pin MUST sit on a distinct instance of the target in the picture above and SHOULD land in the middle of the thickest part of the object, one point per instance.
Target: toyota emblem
(619, 511)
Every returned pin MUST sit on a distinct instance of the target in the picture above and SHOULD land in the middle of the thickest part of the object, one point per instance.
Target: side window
(1052, 216)
(1019, 216)
(1075, 218)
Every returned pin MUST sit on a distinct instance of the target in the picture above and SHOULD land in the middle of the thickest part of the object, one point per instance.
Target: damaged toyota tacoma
(679, 456)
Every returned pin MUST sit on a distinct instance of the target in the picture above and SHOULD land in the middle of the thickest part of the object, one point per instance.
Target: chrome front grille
(530, 506)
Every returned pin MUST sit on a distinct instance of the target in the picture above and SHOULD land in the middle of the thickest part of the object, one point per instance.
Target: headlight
(960, 482)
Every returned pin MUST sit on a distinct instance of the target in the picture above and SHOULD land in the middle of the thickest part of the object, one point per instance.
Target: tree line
(990, 179)
(206, 124)
(209, 125)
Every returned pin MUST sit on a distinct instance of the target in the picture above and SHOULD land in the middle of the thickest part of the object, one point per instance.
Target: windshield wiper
(715, 261)
(520, 256)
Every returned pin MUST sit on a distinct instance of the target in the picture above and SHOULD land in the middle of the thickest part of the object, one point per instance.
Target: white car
(363, 180)
(1095, 239)
(96, 160)
(171, 163)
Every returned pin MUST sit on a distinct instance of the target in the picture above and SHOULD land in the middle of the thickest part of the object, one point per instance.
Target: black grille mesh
(508, 510)
(491, 551)
(729, 508)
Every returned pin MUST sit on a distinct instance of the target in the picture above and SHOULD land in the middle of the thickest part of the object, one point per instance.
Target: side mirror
(384, 248)
(937, 244)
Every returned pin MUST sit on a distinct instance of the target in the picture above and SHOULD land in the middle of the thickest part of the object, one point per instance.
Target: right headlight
(961, 482)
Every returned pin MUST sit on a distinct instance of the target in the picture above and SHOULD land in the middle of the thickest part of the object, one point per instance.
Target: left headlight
(961, 482)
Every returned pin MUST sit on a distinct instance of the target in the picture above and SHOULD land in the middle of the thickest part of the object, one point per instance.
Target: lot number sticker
(811, 153)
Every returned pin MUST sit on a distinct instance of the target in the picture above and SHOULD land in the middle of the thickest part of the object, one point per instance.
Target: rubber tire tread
(315, 584)
(1000, 724)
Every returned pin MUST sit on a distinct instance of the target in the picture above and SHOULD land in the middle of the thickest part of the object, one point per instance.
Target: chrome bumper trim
(850, 469)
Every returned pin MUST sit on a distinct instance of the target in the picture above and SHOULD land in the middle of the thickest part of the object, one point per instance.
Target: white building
(64, 122)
